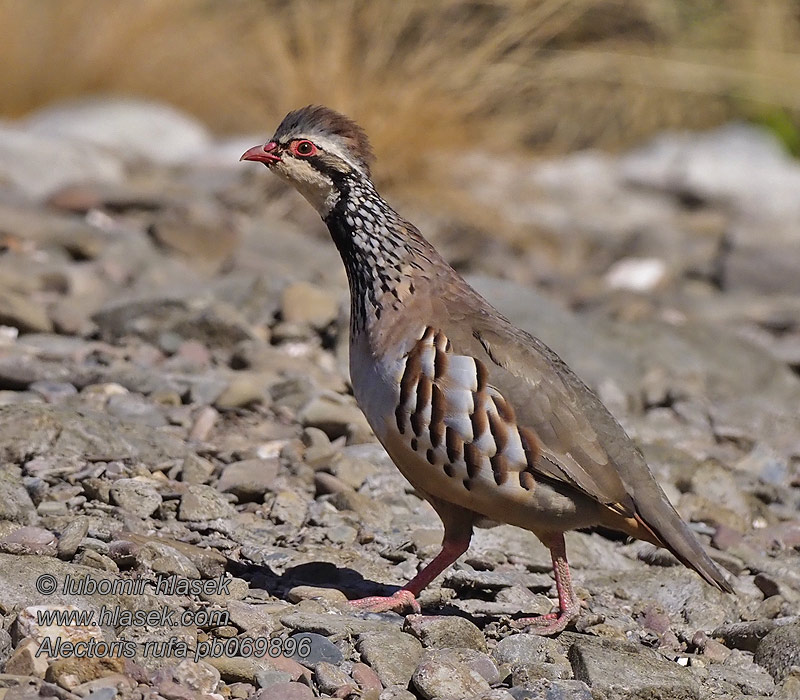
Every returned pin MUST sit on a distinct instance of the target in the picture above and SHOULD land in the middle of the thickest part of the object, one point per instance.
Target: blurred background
(633, 157)
(523, 75)
(430, 82)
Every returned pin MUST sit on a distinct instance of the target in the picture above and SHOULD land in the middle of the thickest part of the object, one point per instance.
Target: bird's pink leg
(452, 548)
(568, 604)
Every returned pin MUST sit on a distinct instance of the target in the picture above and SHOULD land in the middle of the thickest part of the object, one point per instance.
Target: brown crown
(316, 118)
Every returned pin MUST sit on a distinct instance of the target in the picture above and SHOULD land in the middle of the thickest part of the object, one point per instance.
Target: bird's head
(316, 149)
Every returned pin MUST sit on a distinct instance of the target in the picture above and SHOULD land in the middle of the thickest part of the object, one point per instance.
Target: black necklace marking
(374, 242)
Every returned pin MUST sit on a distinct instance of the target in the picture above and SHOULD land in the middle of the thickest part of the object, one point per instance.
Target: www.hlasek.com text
(115, 616)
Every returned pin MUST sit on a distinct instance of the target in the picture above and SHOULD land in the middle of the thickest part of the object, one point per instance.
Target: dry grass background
(422, 76)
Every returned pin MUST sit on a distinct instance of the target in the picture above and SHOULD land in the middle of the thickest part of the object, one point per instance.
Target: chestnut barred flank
(316, 119)
(447, 408)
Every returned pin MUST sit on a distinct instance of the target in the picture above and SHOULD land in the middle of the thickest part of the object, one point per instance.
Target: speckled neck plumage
(382, 252)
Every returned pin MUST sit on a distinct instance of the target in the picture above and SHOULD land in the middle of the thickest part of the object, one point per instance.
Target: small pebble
(29, 540)
(136, 496)
(71, 538)
(313, 648)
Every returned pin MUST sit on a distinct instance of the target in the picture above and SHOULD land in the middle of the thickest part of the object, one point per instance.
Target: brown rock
(332, 595)
(23, 313)
(366, 678)
(302, 302)
(439, 632)
(249, 479)
(24, 662)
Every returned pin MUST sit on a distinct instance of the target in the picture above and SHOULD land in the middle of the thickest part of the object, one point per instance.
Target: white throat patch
(316, 187)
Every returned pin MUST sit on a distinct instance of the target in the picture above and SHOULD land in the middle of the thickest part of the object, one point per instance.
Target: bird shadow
(319, 574)
(326, 575)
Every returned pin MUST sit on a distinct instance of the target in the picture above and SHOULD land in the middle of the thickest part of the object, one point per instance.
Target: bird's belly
(544, 508)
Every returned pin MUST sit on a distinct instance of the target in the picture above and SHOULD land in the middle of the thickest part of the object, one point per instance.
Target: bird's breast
(375, 377)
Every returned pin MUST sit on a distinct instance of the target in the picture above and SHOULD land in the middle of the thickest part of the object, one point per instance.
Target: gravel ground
(175, 410)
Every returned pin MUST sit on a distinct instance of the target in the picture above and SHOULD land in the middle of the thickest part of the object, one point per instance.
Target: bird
(485, 421)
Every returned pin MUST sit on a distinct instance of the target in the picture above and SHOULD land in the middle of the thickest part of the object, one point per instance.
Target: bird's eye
(304, 148)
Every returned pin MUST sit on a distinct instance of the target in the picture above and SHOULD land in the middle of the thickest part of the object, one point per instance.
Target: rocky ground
(174, 401)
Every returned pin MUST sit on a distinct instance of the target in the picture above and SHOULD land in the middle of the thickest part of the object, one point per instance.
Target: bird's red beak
(262, 154)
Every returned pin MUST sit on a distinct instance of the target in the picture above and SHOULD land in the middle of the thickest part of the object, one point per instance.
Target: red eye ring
(303, 148)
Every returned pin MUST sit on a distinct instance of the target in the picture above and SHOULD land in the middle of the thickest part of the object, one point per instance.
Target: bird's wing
(580, 443)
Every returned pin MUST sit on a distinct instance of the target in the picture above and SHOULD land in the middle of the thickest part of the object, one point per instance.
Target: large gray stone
(315, 650)
(137, 496)
(392, 655)
(19, 576)
(28, 430)
(544, 689)
(682, 594)
(440, 675)
(39, 164)
(779, 651)
(201, 502)
(439, 631)
(16, 503)
(249, 479)
(531, 656)
(131, 128)
(624, 674)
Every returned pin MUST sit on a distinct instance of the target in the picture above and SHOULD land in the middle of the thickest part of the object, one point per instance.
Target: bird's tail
(665, 528)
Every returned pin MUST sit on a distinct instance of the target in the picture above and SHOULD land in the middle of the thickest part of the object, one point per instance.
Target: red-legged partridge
(482, 418)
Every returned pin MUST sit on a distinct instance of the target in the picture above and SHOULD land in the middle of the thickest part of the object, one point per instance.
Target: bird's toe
(397, 602)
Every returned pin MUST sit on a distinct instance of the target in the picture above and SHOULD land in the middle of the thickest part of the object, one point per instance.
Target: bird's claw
(549, 624)
(397, 602)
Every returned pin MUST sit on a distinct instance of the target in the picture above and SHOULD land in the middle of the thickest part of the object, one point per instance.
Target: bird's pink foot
(568, 604)
(398, 602)
(552, 623)
(454, 545)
